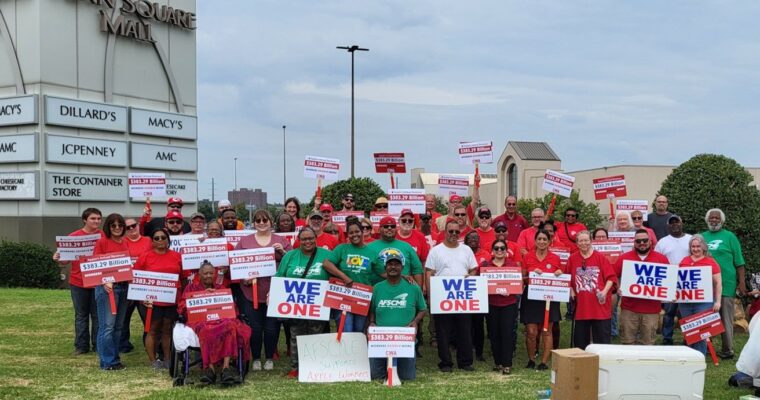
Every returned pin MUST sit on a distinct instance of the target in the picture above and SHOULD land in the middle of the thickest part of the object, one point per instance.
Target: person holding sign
(638, 223)
(110, 324)
(452, 258)
(395, 302)
(485, 230)
(354, 259)
(162, 315)
(82, 298)
(219, 339)
(264, 328)
(147, 225)
(592, 280)
(540, 261)
(502, 309)
(568, 230)
(700, 257)
(639, 317)
(137, 245)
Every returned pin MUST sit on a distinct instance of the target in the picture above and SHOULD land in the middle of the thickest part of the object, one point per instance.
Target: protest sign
(212, 250)
(475, 152)
(558, 183)
(339, 218)
(210, 306)
(354, 299)
(72, 247)
(234, 236)
(298, 298)
(176, 242)
(632, 205)
(625, 239)
(701, 326)
(322, 359)
(252, 263)
(563, 253)
(391, 341)
(503, 280)
(147, 185)
(413, 199)
(694, 285)
(153, 286)
(290, 236)
(321, 168)
(106, 268)
(453, 185)
(390, 163)
(645, 280)
(609, 187)
(549, 287)
(458, 295)
(610, 249)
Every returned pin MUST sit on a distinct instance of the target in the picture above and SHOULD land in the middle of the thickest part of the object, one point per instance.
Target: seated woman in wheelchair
(219, 340)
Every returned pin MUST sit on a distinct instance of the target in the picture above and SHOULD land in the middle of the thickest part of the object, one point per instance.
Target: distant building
(247, 196)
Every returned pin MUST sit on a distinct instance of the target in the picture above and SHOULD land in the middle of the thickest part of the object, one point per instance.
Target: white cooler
(649, 372)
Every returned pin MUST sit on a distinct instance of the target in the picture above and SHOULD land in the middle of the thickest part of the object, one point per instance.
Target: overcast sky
(604, 83)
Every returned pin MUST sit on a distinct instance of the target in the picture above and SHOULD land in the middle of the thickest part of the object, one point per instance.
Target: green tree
(365, 191)
(588, 213)
(205, 208)
(714, 181)
(242, 212)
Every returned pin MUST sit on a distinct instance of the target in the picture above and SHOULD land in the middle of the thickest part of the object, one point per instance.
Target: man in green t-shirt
(725, 248)
(388, 245)
(395, 302)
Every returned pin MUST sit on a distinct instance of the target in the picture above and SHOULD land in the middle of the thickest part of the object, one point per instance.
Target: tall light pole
(234, 191)
(352, 49)
(284, 174)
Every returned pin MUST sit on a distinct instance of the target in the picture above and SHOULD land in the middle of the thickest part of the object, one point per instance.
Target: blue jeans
(406, 368)
(354, 322)
(691, 309)
(110, 325)
(614, 319)
(668, 320)
(85, 318)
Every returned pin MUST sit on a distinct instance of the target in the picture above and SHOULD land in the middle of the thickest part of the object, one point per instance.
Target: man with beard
(148, 226)
(388, 245)
(229, 220)
(639, 317)
(173, 223)
(727, 251)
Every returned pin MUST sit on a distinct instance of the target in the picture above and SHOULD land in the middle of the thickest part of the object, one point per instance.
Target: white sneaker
(269, 365)
(257, 365)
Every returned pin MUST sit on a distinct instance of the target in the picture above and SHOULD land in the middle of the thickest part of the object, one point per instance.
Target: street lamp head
(283, 127)
(352, 49)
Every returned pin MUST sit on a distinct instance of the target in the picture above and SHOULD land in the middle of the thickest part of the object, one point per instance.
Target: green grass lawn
(36, 335)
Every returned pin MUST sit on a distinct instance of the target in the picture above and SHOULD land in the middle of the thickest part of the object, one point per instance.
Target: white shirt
(447, 261)
(675, 249)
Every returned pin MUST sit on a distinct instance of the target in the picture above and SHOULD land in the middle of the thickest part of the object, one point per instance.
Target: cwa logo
(397, 302)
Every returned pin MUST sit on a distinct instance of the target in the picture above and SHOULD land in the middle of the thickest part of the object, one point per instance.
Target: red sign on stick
(701, 326)
(503, 280)
(210, 306)
(390, 162)
(354, 299)
(611, 186)
(610, 249)
(105, 268)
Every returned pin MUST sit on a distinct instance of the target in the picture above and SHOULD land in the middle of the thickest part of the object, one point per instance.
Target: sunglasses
(130, 227)
(351, 200)
(159, 238)
(641, 241)
(484, 216)
(261, 220)
(382, 205)
(460, 214)
(500, 230)
(174, 222)
(571, 215)
(366, 228)
(389, 226)
(175, 206)
(637, 218)
(331, 232)
(453, 232)
(426, 218)
(406, 221)
(511, 204)
(499, 248)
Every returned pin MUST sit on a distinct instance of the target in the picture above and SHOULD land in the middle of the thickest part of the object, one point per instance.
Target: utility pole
(213, 201)
(284, 173)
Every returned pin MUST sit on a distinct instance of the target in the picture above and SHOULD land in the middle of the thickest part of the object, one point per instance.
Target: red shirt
(138, 247)
(106, 245)
(75, 276)
(486, 238)
(514, 225)
(641, 306)
(704, 262)
(566, 234)
(418, 242)
(586, 282)
(549, 264)
(483, 257)
(324, 240)
(169, 263)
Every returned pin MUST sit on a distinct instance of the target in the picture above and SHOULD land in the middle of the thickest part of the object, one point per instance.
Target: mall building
(90, 91)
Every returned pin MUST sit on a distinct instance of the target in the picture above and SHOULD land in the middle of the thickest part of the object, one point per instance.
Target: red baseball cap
(175, 200)
(455, 197)
(326, 207)
(173, 215)
(388, 221)
(406, 211)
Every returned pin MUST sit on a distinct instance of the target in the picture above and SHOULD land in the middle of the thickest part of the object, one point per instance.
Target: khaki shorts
(636, 328)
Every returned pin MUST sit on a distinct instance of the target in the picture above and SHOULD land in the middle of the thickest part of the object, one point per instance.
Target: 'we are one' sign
(666, 282)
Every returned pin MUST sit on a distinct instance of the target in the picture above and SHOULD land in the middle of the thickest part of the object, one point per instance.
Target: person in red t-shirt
(514, 222)
(137, 245)
(415, 238)
(540, 261)
(485, 230)
(324, 240)
(592, 279)
(525, 240)
(160, 259)
(82, 298)
(639, 317)
(483, 257)
(293, 208)
(460, 215)
(502, 310)
(568, 230)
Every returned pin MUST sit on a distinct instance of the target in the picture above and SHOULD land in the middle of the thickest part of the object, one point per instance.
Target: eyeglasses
(381, 205)
(453, 232)
(159, 238)
(500, 230)
(261, 220)
(641, 241)
(637, 218)
(130, 227)
(511, 204)
(195, 221)
(174, 222)
(406, 221)
(571, 215)
(389, 226)
(499, 248)
(117, 225)
(460, 214)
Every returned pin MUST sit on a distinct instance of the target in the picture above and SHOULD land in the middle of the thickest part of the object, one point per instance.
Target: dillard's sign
(144, 11)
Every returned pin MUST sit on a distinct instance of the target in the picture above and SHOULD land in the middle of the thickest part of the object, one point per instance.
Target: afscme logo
(397, 302)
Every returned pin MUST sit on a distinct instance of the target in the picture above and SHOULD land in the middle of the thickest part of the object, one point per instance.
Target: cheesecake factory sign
(145, 11)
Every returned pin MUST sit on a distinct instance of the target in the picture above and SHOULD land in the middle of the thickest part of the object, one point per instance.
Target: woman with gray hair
(699, 256)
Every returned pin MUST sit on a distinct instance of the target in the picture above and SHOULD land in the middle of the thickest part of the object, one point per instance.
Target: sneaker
(208, 377)
(497, 368)
(157, 364)
(506, 371)
(257, 365)
(117, 367)
(293, 373)
(445, 369)
(725, 355)
(542, 367)
(79, 352)
(228, 376)
(268, 365)
(468, 368)
(531, 364)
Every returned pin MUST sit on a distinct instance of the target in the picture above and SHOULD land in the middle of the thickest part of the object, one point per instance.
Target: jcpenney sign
(77, 150)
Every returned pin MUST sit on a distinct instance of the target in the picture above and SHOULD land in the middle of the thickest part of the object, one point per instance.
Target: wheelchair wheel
(173, 362)
(178, 381)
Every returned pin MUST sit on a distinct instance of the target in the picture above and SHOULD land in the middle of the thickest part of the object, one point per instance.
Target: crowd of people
(398, 256)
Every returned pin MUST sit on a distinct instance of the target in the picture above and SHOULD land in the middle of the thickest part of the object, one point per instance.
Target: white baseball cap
(224, 204)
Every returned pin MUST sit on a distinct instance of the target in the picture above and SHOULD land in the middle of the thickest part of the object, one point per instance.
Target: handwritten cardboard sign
(645, 280)
(322, 359)
(391, 341)
(458, 295)
(548, 286)
(298, 298)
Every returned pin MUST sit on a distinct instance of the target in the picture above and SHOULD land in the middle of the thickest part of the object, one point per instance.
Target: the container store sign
(78, 187)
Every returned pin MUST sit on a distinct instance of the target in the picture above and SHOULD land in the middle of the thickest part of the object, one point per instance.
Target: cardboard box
(575, 375)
